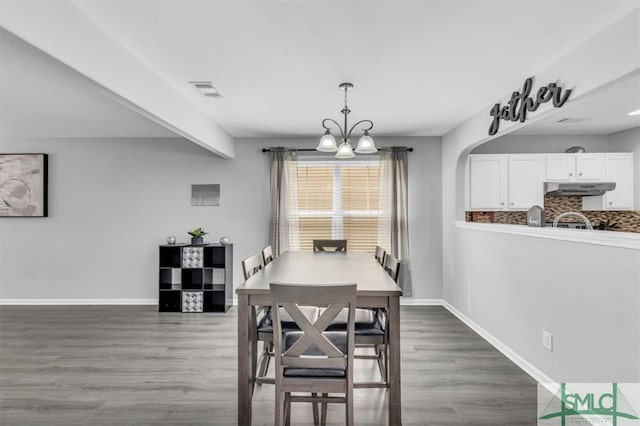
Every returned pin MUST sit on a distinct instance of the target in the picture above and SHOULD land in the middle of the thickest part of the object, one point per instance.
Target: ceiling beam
(62, 31)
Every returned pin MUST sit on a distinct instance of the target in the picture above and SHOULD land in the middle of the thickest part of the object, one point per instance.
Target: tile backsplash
(624, 220)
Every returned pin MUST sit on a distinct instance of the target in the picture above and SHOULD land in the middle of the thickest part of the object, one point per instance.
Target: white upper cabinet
(488, 182)
(590, 167)
(516, 181)
(560, 167)
(575, 167)
(618, 169)
(506, 182)
(526, 181)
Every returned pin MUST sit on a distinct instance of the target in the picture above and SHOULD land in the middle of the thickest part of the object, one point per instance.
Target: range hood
(584, 189)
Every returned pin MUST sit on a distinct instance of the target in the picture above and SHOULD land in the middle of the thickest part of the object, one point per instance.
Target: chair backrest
(313, 349)
(380, 252)
(267, 255)
(251, 265)
(336, 245)
(392, 266)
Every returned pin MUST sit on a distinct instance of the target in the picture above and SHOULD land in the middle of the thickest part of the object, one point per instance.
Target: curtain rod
(384, 148)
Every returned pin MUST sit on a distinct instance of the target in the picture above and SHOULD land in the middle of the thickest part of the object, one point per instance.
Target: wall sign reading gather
(520, 102)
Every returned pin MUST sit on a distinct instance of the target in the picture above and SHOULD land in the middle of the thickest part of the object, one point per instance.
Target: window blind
(339, 200)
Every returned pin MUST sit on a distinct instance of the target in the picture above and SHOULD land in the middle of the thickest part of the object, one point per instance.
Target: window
(339, 200)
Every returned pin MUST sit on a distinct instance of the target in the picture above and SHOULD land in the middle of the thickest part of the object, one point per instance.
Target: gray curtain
(394, 204)
(284, 223)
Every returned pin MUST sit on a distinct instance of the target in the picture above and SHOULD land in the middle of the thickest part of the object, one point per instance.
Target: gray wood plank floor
(130, 365)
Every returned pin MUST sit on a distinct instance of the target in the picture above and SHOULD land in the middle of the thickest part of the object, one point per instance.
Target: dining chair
(374, 334)
(370, 336)
(336, 245)
(313, 360)
(267, 255)
(250, 266)
(392, 266)
(380, 252)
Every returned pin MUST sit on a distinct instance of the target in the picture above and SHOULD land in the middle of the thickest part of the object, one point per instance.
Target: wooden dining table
(375, 289)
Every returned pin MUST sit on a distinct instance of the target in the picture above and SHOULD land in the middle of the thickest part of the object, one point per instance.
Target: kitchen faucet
(576, 214)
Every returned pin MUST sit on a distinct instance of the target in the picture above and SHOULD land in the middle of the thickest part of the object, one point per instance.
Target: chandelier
(328, 142)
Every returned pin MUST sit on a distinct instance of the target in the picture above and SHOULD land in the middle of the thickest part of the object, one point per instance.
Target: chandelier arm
(360, 122)
(336, 123)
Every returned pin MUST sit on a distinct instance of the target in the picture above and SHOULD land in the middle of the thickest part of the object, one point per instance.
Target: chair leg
(323, 414)
(316, 421)
(380, 360)
(264, 360)
(287, 408)
(279, 413)
(349, 408)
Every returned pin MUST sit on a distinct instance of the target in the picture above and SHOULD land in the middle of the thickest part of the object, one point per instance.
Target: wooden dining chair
(392, 266)
(250, 266)
(380, 252)
(313, 360)
(336, 245)
(377, 336)
(267, 255)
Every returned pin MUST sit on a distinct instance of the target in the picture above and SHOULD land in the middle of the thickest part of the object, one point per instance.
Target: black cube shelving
(204, 272)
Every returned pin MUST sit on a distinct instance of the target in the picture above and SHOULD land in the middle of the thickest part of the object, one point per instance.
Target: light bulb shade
(327, 143)
(366, 145)
(345, 151)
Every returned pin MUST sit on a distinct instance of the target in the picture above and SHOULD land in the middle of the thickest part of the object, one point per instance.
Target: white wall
(112, 201)
(522, 144)
(585, 295)
(497, 315)
(629, 141)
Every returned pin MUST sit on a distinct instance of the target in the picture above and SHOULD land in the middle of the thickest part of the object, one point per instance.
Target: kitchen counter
(628, 240)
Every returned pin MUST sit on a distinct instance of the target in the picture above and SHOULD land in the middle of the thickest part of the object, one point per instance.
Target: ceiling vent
(206, 88)
(571, 120)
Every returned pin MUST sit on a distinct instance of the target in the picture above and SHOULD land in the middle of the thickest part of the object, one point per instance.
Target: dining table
(375, 289)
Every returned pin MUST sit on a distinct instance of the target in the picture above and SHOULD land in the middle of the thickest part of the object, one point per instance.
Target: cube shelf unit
(195, 278)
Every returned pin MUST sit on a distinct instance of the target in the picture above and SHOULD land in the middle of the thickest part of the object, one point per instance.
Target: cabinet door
(560, 167)
(526, 181)
(488, 182)
(590, 167)
(620, 171)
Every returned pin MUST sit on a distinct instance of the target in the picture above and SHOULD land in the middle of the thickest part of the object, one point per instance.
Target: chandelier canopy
(328, 141)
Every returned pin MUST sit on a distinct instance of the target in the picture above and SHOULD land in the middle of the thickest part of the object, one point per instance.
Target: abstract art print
(205, 195)
(23, 185)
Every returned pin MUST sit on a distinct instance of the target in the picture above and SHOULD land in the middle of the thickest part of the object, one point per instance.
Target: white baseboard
(420, 302)
(525, 365)
(78, 302)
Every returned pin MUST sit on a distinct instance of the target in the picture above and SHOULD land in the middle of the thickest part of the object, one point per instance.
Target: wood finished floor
(129, 365)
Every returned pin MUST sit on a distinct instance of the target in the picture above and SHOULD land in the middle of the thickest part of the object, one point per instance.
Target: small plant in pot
(197, 236)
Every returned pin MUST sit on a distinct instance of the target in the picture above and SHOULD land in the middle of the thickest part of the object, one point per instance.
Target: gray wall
(585, 295)
(112, 201)
(629, 141)
(523, 144)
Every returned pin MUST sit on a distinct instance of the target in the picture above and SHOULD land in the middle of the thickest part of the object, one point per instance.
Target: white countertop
(628, 240)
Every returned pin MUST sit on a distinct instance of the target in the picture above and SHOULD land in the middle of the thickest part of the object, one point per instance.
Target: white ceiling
(604, 112)
(419, 67)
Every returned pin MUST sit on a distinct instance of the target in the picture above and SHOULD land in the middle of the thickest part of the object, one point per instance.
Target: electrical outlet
(547, 340)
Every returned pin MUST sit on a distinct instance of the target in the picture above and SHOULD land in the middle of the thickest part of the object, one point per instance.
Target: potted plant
(197, 236)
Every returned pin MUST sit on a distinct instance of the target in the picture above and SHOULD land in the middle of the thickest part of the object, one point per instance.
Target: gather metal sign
(520, 103)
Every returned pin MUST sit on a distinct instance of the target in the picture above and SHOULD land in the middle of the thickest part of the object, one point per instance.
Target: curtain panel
(394, 223)
(284, 224)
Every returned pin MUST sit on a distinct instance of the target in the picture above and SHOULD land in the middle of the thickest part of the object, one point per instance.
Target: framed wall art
(205, 195)
(23, 185)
